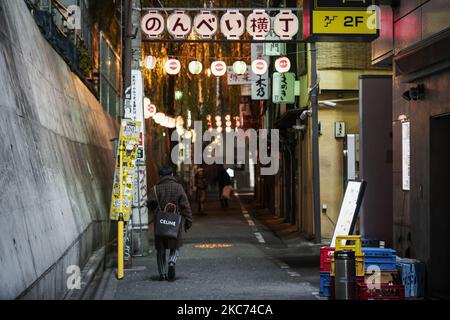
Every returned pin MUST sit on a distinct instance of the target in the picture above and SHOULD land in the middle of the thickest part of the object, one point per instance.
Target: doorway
(440, 207)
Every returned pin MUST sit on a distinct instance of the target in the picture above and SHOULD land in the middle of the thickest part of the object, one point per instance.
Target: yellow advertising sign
(122, 198)
(344, 22)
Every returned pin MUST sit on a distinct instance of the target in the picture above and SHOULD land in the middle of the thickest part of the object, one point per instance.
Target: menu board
(349, 210)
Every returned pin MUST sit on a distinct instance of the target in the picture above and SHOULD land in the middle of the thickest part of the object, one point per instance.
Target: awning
(289, 119)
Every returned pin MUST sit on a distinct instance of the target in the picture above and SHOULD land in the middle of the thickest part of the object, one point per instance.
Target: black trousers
(162, 259)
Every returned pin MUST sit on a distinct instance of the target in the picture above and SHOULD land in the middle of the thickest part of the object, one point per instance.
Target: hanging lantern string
(179, 57)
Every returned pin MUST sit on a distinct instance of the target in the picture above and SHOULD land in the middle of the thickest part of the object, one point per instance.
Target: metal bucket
(345, 275)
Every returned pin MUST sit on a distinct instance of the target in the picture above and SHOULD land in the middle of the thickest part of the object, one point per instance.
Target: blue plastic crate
(385, 259)
(367, 243)
(413, 274)
(325, 285)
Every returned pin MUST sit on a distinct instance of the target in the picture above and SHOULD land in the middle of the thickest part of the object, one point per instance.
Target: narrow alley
(215, 150)
(228, 255)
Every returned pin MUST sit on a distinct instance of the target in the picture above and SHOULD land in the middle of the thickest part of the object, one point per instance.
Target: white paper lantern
(195, 67)
(159, 118)
(172, 67)
(150, 62)
(151, 110)
(283, 65)
(260, 67)
(147, 103)
(240, 67)
(219, 68)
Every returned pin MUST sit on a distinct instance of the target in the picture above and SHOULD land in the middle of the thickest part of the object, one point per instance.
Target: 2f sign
(352, 22)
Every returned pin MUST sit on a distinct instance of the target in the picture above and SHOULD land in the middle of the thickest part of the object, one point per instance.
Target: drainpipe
(315, 145)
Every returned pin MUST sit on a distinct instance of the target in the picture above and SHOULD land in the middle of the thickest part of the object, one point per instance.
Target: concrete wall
(55, 163)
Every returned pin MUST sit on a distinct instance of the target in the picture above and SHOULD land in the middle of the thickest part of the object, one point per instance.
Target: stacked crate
(356, 247)
(352, 243)
(412, 273)
(383, 286)
(325, 271)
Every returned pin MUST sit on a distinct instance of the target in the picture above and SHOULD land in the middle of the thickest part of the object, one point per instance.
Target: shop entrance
(440, 206)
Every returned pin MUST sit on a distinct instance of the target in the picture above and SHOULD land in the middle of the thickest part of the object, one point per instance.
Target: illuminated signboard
(341, 20)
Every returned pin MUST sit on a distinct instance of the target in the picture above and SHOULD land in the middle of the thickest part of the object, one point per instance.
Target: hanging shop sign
(283, 88)
(274, 49)
(206, 25)
(258, 24)
(336, 20)
(152, 24)
(260, 78)
(286, 25)
(235, 79)
(261, 86)
(232, 25)
(179, 24)
(283, 65)
(218, 68)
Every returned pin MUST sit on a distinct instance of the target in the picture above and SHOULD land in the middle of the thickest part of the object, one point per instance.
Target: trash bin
(345, 275)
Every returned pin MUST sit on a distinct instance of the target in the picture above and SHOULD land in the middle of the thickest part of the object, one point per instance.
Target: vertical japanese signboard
(125, 172)
(261, 82)
(406, 156)
(283, 88)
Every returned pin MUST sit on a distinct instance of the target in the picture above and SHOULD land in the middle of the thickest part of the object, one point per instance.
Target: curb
(93, 269)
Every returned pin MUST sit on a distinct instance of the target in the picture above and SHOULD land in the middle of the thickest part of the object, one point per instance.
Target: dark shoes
(171, 275)
(163, 277)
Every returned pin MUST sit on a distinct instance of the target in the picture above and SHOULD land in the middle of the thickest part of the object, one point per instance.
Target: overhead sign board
(341, 20)
(259, 24)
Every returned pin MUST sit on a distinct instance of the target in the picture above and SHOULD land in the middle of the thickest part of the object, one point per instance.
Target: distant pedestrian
(201, 184)
(169, 191)
(224, 181)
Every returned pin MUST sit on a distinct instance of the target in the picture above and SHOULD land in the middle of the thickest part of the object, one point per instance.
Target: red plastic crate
(325, 258)
(386, 292)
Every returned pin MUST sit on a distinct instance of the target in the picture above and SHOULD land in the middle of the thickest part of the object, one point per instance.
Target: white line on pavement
(260, 237)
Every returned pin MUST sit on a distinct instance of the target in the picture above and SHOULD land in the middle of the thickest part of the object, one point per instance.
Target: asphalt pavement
(228, 255)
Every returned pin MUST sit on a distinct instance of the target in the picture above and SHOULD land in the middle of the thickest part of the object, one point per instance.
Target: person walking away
(201, 183)
(224, 180)
(169, 191)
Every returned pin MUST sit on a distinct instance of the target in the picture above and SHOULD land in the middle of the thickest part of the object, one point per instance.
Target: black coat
(170, 191)
(223, 179)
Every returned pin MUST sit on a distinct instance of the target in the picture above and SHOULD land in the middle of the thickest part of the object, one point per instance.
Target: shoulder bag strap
(157, 200)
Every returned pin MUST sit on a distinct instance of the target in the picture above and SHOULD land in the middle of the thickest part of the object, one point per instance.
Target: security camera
(305, 114)
(415, 93)
(329, 104)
